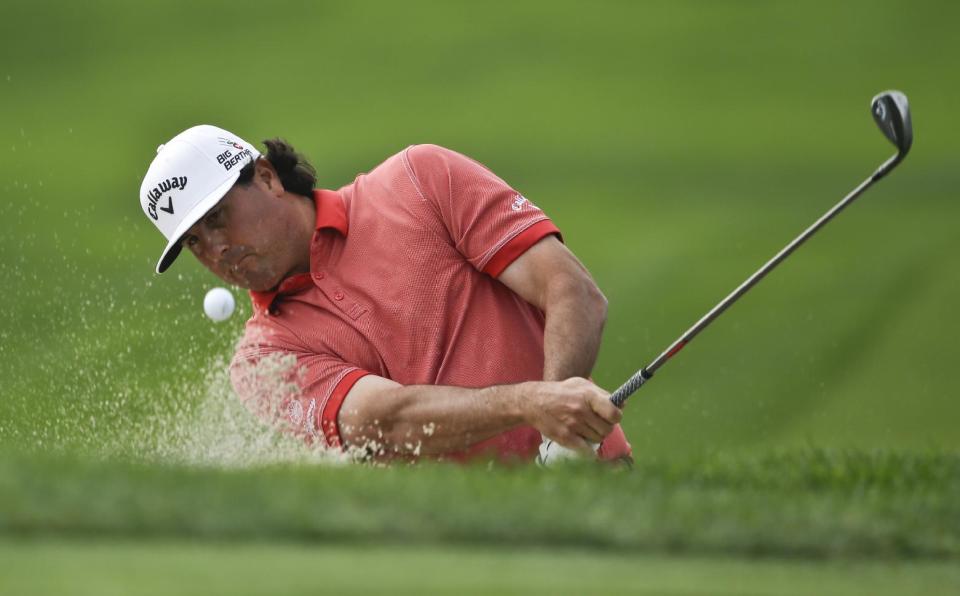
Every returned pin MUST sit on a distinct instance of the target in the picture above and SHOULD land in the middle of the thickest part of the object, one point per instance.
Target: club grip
(552, 452)
(630, 387)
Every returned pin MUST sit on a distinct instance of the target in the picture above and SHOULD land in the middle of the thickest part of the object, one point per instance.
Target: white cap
(189, 175)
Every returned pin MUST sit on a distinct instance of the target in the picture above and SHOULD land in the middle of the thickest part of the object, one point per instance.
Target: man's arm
(429, 419)
(551, 278)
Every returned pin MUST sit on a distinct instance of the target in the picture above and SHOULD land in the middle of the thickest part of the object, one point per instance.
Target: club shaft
(641, 376)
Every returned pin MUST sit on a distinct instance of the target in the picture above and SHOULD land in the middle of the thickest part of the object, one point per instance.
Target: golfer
(427, 309)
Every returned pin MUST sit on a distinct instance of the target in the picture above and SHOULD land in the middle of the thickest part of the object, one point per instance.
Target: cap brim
(173, 248)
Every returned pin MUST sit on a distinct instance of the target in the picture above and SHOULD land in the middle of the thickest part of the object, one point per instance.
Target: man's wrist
(511, 402)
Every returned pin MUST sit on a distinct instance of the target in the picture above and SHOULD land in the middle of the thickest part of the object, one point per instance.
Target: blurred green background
(677, 144)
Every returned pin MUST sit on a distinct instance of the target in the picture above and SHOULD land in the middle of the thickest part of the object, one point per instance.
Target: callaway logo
(519, 201)
(165, 186)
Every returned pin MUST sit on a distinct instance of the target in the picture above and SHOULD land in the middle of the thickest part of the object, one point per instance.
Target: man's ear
(267, 177)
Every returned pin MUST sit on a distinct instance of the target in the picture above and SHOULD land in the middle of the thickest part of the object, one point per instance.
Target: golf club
(891, 112)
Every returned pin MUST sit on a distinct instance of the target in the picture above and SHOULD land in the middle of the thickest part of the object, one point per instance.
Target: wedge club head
(891, 111)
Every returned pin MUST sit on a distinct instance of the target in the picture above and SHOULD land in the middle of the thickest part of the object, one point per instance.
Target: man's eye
(212, 217)
(190, 241)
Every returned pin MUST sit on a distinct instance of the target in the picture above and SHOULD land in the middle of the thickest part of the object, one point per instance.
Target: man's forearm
(387, 418)
(575, 315)
(431, 419)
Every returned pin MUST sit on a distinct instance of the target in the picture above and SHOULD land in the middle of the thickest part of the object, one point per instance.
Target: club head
(892, 114)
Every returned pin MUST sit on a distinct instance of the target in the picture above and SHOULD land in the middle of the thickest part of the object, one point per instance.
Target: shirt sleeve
(297, 393)
(487, 221)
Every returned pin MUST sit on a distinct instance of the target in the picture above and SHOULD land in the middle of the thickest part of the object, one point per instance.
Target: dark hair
(295, 172)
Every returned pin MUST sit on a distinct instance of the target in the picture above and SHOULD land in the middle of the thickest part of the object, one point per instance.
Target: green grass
(142, 568)
(811, 504)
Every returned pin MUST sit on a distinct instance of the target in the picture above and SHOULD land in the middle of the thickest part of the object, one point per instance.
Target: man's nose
(215, 246)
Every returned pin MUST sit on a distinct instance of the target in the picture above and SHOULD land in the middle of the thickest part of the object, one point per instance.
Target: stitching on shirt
(257, 351)
(408, 167)
(496, 248)
(484, 258)
(410, 173)
(336, 383)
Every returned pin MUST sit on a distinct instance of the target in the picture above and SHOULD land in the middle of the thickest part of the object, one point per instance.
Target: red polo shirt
(403, 285)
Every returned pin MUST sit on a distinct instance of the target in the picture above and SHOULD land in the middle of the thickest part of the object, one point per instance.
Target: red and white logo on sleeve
(520, 201)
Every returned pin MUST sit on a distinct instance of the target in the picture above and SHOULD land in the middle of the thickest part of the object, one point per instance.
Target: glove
(614, 448)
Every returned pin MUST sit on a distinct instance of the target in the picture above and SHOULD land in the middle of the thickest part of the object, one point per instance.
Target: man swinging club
(426, 309)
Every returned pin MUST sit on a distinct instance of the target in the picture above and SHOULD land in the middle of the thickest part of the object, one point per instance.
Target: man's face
(246, 238)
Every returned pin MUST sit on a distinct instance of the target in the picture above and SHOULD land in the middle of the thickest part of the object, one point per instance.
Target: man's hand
(574, 413)
(379, 410)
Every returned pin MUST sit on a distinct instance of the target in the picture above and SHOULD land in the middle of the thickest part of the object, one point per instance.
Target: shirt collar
(331, 214)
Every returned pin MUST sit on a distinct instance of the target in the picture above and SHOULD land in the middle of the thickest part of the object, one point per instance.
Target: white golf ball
(219, 304)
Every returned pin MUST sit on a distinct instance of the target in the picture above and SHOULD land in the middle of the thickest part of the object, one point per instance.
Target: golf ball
(219, 304)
